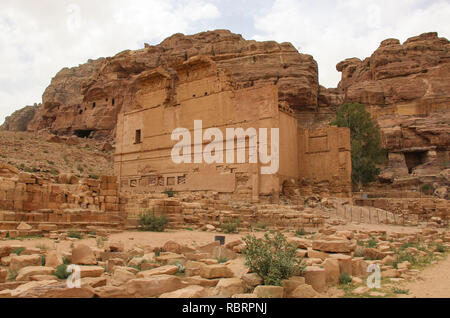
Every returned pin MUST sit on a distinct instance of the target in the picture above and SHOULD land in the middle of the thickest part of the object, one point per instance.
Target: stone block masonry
(25, 197)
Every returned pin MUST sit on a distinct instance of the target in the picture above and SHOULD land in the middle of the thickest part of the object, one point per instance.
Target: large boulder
(332, 271)
(194, 291)
(120, 276)
(315, 276)
(216, 271)
(83, 255)
(269, 291)
(153, 286)
(228, 287)
(25, 273)
(305, 291)
(51, 289)
(18, 262)
(335, 246)
(163, 270)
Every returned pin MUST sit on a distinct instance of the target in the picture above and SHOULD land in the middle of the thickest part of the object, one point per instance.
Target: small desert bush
(261, 225)
(12, 275)
(397, 290)
(61, 271)
(359, 252)
(17, 250)
(181, 268)
(427, 189)
(74, 234)
(345, 279)
(148, 221)
(230, 226)
(42, 260)
(441, 248)
(371, 243)
(170, 193)
(300, 232)
(222, 260)
(272, 258)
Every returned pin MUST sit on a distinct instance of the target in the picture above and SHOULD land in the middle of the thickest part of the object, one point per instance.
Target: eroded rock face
(19, 120)
(406, 87)
(86, 99)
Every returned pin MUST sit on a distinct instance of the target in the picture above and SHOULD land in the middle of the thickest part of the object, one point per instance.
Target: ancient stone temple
(179, 96)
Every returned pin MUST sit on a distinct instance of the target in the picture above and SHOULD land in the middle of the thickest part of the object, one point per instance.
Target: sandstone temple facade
(197, 89)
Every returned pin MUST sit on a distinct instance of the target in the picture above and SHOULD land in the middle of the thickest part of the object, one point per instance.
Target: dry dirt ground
(432, 282)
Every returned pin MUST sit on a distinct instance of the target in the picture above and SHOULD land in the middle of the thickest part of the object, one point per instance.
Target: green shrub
(359, 252)
(345, 279)
(372, 243)
(42, 260)
(441, 248)
(397, 290)
(170, 192)
(94, 176)
(65, 260)
(158, 252)
(272, 258)
(222, 260)
(17, 250)
(61, 272)
(300, 232)
(181, 268)
(148, 221)
(74, 234)
(12, 275)
(261, 225)
(230, 226)
(427, 189)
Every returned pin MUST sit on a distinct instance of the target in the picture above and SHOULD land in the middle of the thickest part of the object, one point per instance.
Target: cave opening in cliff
(414, 159)
(86, 133)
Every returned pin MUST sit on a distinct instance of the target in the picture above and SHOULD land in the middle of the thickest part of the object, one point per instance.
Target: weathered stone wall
(25, 197)
(213, 211)
(412, 210)
(325, 162)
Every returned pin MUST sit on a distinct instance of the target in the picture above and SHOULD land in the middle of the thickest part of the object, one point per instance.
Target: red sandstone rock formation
(407, 89)
(20, 119)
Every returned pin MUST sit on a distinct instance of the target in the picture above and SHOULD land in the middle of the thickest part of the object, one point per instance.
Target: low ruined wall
(216, 212)
(413, 210)
(28, 198)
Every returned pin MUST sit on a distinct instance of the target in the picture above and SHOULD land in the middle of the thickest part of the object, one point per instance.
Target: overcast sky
(38, 38)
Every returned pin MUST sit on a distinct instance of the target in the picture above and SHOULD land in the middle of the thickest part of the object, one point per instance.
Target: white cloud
(38, 38)
(332, 31)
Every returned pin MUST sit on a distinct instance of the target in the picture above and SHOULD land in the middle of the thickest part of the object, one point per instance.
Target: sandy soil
(432, 282)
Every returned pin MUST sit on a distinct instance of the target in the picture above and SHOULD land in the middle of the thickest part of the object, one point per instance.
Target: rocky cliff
(19, 120)
(85, 100)
(406, 87)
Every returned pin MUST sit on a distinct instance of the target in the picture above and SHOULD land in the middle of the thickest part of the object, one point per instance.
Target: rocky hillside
(48, 155)
(86, 99)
